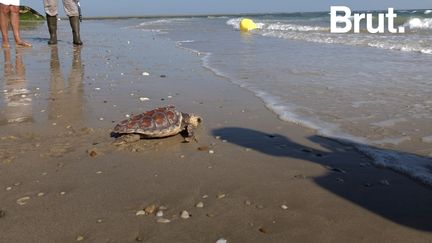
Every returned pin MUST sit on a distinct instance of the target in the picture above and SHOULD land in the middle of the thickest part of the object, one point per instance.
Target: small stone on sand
(41, 194)
(140, 213)
(199, 205)
(80, 238)
(163, 221)
(248, 203)
(159, 213)
(8, 188)
(221, 195)
(145, 74)
(284, 207)
(185, 214)
(23, 201)
(221, 240)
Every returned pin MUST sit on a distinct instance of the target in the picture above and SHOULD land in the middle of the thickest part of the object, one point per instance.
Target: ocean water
(372, 90)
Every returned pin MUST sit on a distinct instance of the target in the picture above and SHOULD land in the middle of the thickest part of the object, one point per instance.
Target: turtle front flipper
(189, 134)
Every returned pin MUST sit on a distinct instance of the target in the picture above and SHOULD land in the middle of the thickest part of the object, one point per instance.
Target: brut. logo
(348, 21)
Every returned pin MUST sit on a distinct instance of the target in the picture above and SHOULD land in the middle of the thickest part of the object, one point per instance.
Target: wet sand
(257, 178)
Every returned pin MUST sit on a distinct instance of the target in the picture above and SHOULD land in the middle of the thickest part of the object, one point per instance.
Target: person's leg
(15, 22)
(4, 24)
(71, 9)
(51, 16)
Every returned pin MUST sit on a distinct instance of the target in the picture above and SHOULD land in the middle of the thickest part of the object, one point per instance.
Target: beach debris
(150, 209)
(205, 196)
(8, 188)
(199, 205)
(248, 203)
(140, 213)
(62, 193)
(22, 201)
(80, 238)
(163, 220)
(144, 99)
(203, 148)
(40, 194)
(221, 240)
(185, 214)
(211, 151)
(284, 207)
(262, 230)
(92, 152)
(145, 74)
(221, 195)
(158, 123)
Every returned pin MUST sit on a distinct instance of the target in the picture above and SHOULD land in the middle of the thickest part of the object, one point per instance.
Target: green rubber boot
(75, 25)
(52, 28)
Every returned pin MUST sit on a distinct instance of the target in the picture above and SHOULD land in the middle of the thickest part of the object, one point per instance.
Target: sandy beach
(250, 177)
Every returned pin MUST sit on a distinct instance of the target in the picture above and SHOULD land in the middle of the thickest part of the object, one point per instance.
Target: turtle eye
(199, 119)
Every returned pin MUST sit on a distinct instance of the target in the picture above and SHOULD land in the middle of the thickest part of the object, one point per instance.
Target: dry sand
(259, 179)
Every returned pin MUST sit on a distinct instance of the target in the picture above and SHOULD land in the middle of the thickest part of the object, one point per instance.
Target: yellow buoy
(247, 25)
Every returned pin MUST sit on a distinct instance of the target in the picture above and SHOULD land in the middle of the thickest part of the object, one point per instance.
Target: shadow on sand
(402, 200)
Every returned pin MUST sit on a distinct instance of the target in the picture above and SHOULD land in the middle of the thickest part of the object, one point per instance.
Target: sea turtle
(158, 123)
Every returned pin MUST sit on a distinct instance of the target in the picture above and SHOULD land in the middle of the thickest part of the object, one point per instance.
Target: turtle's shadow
(404, 201)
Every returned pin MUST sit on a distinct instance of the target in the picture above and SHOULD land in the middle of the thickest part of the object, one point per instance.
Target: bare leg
(15, 22)
(4, 24)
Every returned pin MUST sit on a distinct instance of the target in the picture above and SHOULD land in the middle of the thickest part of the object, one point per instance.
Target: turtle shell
(160, 122)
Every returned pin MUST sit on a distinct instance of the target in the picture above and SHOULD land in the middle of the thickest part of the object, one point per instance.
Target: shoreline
(266, 180)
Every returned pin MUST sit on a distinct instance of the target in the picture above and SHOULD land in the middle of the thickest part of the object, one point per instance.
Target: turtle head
(192, 119)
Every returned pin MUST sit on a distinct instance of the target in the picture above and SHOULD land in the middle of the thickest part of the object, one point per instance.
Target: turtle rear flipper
(127, 138)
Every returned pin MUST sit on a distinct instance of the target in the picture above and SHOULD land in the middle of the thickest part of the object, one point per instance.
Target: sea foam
(418, 23)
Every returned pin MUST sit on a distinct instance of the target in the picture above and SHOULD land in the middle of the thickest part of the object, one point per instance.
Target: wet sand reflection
(66, 99)
(17, 100)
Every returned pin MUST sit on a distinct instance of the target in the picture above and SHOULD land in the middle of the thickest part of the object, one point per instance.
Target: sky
(99, 8)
